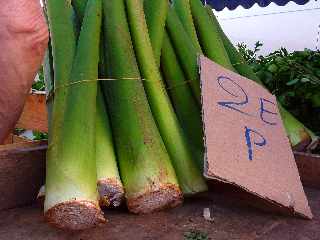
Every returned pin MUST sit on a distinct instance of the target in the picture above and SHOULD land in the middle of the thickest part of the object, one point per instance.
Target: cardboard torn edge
(289, 209)
(205, 156)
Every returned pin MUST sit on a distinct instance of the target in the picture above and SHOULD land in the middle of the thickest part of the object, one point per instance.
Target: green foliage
(293, 77)
(196, 235)
(39, 84)
(249, 55)
(37, 136)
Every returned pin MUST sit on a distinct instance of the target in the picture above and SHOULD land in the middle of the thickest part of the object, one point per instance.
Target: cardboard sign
(246, 143)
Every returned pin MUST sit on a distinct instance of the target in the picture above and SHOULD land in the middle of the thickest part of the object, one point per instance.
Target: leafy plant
(39, 84)
(37, 136)
(196, 235)
(293, 77)
(249, 55)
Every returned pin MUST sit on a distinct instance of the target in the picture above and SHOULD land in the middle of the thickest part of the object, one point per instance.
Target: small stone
(207, 215)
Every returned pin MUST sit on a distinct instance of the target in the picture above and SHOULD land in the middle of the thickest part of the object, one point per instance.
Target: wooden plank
(19, 139)
(34, 115)
(309, 169)
(15, 139)
(22, 171)
(18, 146)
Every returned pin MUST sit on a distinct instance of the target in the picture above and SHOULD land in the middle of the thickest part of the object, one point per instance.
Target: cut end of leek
(164, 197)
(111, 192)
(75, 215)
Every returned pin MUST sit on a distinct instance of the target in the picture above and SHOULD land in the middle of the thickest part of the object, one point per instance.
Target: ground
(233, 219)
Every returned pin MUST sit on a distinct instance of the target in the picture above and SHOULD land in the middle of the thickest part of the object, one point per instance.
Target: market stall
(218, 5)
(159, 129)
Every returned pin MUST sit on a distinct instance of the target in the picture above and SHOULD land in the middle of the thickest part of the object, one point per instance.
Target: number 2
(232, 104)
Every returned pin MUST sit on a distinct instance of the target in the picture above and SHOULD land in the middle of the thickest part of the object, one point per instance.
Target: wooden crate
(309, 168)
(22, 162)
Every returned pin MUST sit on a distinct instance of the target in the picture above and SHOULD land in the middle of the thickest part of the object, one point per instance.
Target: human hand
(23, 41)
(23, 19)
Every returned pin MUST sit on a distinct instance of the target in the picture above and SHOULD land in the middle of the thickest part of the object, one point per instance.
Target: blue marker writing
(263, 110)
(250, 135)
(243, 97)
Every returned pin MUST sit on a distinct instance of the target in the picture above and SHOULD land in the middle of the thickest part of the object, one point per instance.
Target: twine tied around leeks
(51, 92)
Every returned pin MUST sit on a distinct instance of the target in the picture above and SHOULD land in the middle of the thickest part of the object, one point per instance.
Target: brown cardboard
(34, 115)
(269, 170)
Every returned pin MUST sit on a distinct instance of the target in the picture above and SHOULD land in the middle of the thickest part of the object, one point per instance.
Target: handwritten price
(253, 137)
